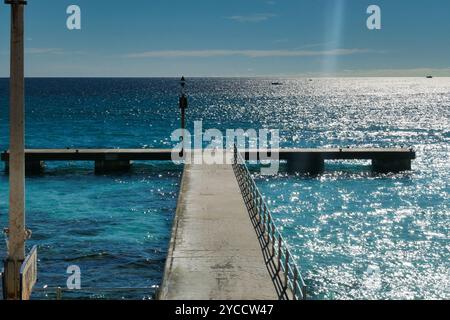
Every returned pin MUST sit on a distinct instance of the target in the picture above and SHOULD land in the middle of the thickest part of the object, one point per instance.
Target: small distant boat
(277, 84)
(429, 77)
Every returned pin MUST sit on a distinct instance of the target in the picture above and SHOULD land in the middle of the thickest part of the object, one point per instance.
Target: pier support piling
(34, 167)
(108, 166)
(31, 167)
(311, 163)
(390, 165)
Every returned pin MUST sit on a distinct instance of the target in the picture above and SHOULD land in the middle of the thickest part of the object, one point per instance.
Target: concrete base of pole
(11, 280)
(31, 167)
(385, 166)
(108, 166)
(306, 163)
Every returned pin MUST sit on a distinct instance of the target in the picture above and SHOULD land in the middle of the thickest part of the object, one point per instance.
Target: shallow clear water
(115, 228)
(355, 235)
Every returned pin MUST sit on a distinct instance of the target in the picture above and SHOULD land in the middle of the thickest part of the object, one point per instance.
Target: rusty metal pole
(16, 232)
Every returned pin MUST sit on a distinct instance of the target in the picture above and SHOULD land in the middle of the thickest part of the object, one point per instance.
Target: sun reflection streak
(333, 35)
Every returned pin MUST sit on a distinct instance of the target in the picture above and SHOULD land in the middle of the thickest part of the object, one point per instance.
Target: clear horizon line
(246, 53)
(222, 77)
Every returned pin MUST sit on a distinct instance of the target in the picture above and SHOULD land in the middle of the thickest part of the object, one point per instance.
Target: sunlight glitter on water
(355, 234)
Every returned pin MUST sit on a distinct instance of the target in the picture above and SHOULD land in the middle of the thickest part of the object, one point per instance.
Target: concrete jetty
(106, 160)
(313, 160)
(299, 160)
(214, 252)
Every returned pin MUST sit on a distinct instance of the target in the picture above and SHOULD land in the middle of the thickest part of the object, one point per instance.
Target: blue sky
(150, 38)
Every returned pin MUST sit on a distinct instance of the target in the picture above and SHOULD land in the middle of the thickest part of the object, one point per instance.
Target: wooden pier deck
(214, 253)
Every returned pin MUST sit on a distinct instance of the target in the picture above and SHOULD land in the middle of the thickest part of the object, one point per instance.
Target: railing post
(303, 288)
(255, 210)
(273, 241)
(269, 227)
(253, 195)
(245, 186)
(58, 293)
(264, 220)
(295, 284)
(286, 270)
(279, 253)
(261, 205)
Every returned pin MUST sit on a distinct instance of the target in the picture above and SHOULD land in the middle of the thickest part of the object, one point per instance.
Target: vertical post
(273, 242)
(261, 205)
(183, 107)
(264, 221)
(255, 198)
(279, 252)
(286, 270)
(58, 293)
(294, 284)
(16, 232)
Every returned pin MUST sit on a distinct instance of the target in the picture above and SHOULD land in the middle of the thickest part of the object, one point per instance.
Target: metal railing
(279, 252)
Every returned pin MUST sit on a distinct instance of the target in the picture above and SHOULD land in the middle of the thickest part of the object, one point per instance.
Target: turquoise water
(115, 228)
(354, 234)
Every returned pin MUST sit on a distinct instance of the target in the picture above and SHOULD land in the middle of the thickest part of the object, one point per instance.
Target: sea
(354, 234)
